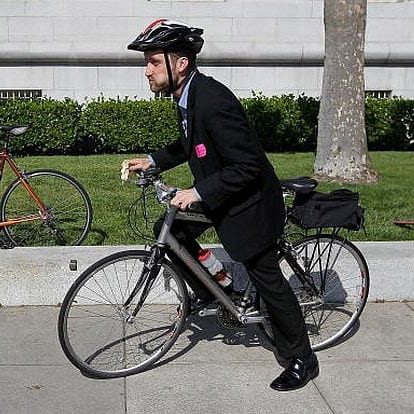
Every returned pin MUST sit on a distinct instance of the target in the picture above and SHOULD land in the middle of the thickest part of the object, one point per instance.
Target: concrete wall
(77, 48)
(41, 275)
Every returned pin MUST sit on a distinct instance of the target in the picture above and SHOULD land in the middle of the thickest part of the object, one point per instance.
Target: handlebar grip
(151, 172)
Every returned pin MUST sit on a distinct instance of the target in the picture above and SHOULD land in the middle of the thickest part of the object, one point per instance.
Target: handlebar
(165, 193)
(152, 176)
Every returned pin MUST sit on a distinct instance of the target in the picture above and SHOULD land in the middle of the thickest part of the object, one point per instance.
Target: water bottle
(216, 269)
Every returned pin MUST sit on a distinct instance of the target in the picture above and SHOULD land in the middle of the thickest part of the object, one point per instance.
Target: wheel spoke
(69, 212)
(121, 344)
(339, 272)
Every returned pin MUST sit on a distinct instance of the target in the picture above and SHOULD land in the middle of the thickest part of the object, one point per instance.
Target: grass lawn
(390, 199)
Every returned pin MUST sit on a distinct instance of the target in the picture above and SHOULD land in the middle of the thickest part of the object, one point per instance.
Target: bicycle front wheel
(118, 318)
(68, 210)
(340, 273)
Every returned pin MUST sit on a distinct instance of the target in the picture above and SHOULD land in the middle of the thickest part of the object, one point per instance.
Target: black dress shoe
(297, 374)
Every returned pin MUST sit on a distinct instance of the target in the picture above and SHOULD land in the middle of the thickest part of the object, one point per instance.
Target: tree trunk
(342, 152)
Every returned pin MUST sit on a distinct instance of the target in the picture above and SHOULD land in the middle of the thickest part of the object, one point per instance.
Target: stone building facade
(77, 48)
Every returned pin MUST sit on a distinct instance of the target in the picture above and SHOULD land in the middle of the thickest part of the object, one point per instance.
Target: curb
(41, 275)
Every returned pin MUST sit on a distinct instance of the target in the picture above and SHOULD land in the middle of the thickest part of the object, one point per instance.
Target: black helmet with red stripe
(169, 36)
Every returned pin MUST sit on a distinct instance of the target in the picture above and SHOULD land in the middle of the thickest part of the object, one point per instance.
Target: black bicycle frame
(150, 271)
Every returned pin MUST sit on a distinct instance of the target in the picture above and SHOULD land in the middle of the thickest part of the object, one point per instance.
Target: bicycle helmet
(169, 36)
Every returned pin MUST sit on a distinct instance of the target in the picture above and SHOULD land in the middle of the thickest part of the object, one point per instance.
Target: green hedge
(55, 125)
(115, 126)
(389, 123)
(283, 123)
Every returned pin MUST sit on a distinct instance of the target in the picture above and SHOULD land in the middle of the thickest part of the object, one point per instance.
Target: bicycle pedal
(230, 340)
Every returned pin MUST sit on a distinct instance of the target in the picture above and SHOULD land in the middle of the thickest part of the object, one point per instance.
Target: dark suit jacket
(231, 172)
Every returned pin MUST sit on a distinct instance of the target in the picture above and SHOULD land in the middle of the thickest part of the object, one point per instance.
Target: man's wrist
(151, 161)
(197, 194)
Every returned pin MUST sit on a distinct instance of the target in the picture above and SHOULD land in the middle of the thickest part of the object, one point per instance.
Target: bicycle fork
(145, 281)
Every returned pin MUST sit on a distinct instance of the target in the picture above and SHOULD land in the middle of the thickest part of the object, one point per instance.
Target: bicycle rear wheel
(68, 210)
(340, 274)
(101, 336)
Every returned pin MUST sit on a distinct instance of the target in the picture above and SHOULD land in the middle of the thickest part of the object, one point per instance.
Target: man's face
(156, 71)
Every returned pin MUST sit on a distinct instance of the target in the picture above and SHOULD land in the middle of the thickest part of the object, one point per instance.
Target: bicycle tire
(96, 331)
(344, 270)
(69, 208)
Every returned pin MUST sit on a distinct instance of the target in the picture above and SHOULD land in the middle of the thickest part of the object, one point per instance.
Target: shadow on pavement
(200, 329)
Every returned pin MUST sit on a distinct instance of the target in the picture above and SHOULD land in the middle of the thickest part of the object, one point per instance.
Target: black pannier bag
(338, 208)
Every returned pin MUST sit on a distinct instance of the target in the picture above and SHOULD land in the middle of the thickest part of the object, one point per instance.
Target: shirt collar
(183, 101)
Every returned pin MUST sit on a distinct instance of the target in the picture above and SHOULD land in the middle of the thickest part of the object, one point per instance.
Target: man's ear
(182, 63)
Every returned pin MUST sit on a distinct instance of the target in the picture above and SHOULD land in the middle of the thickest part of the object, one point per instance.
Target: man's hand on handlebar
(183, 198)
(139, 164)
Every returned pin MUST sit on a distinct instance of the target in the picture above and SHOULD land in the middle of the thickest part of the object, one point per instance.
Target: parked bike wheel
(68, 210)
(104, 338)
(340, 273)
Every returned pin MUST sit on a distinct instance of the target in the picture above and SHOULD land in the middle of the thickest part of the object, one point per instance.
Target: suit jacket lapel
(190, 111)
(184, 139)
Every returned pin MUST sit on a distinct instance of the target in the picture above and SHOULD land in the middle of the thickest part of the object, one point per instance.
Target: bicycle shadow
(198, 329)
(96, 236)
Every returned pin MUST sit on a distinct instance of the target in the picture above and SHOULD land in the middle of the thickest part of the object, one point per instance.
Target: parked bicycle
(42, 207)
(126, 311)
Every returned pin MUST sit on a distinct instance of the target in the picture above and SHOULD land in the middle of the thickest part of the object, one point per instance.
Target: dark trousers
(288, 326)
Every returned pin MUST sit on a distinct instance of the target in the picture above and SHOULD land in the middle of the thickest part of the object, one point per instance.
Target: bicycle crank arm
(252, 318)
(246, 319)
(207, 312)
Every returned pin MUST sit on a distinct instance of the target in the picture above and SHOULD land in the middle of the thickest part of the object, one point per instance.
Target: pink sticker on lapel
(201, 150)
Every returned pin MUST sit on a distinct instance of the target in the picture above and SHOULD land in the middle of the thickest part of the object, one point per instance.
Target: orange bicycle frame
(5, 157)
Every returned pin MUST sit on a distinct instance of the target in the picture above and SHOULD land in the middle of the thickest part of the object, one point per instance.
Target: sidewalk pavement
(371, 372)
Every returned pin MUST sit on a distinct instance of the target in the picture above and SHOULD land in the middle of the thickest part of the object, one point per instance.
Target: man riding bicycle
(232, 178)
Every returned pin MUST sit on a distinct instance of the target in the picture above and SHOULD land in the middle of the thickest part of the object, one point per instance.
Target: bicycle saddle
(14, 129)
(299, 184)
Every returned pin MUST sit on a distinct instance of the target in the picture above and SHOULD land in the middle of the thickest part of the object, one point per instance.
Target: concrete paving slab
(40, 389)
(361, 373)
(391, 267)
(35, 377)
(371, 372)
(29, 335)
(367, 387)
(217, 387)
(385, 333)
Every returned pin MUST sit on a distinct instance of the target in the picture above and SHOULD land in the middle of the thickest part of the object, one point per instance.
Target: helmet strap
(172, 86)
(170, 77)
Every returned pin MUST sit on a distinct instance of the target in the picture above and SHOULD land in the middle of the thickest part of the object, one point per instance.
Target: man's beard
(158, 87)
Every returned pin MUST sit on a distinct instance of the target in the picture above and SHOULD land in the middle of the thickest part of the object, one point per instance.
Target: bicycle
(41, 207)
(126, 311)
